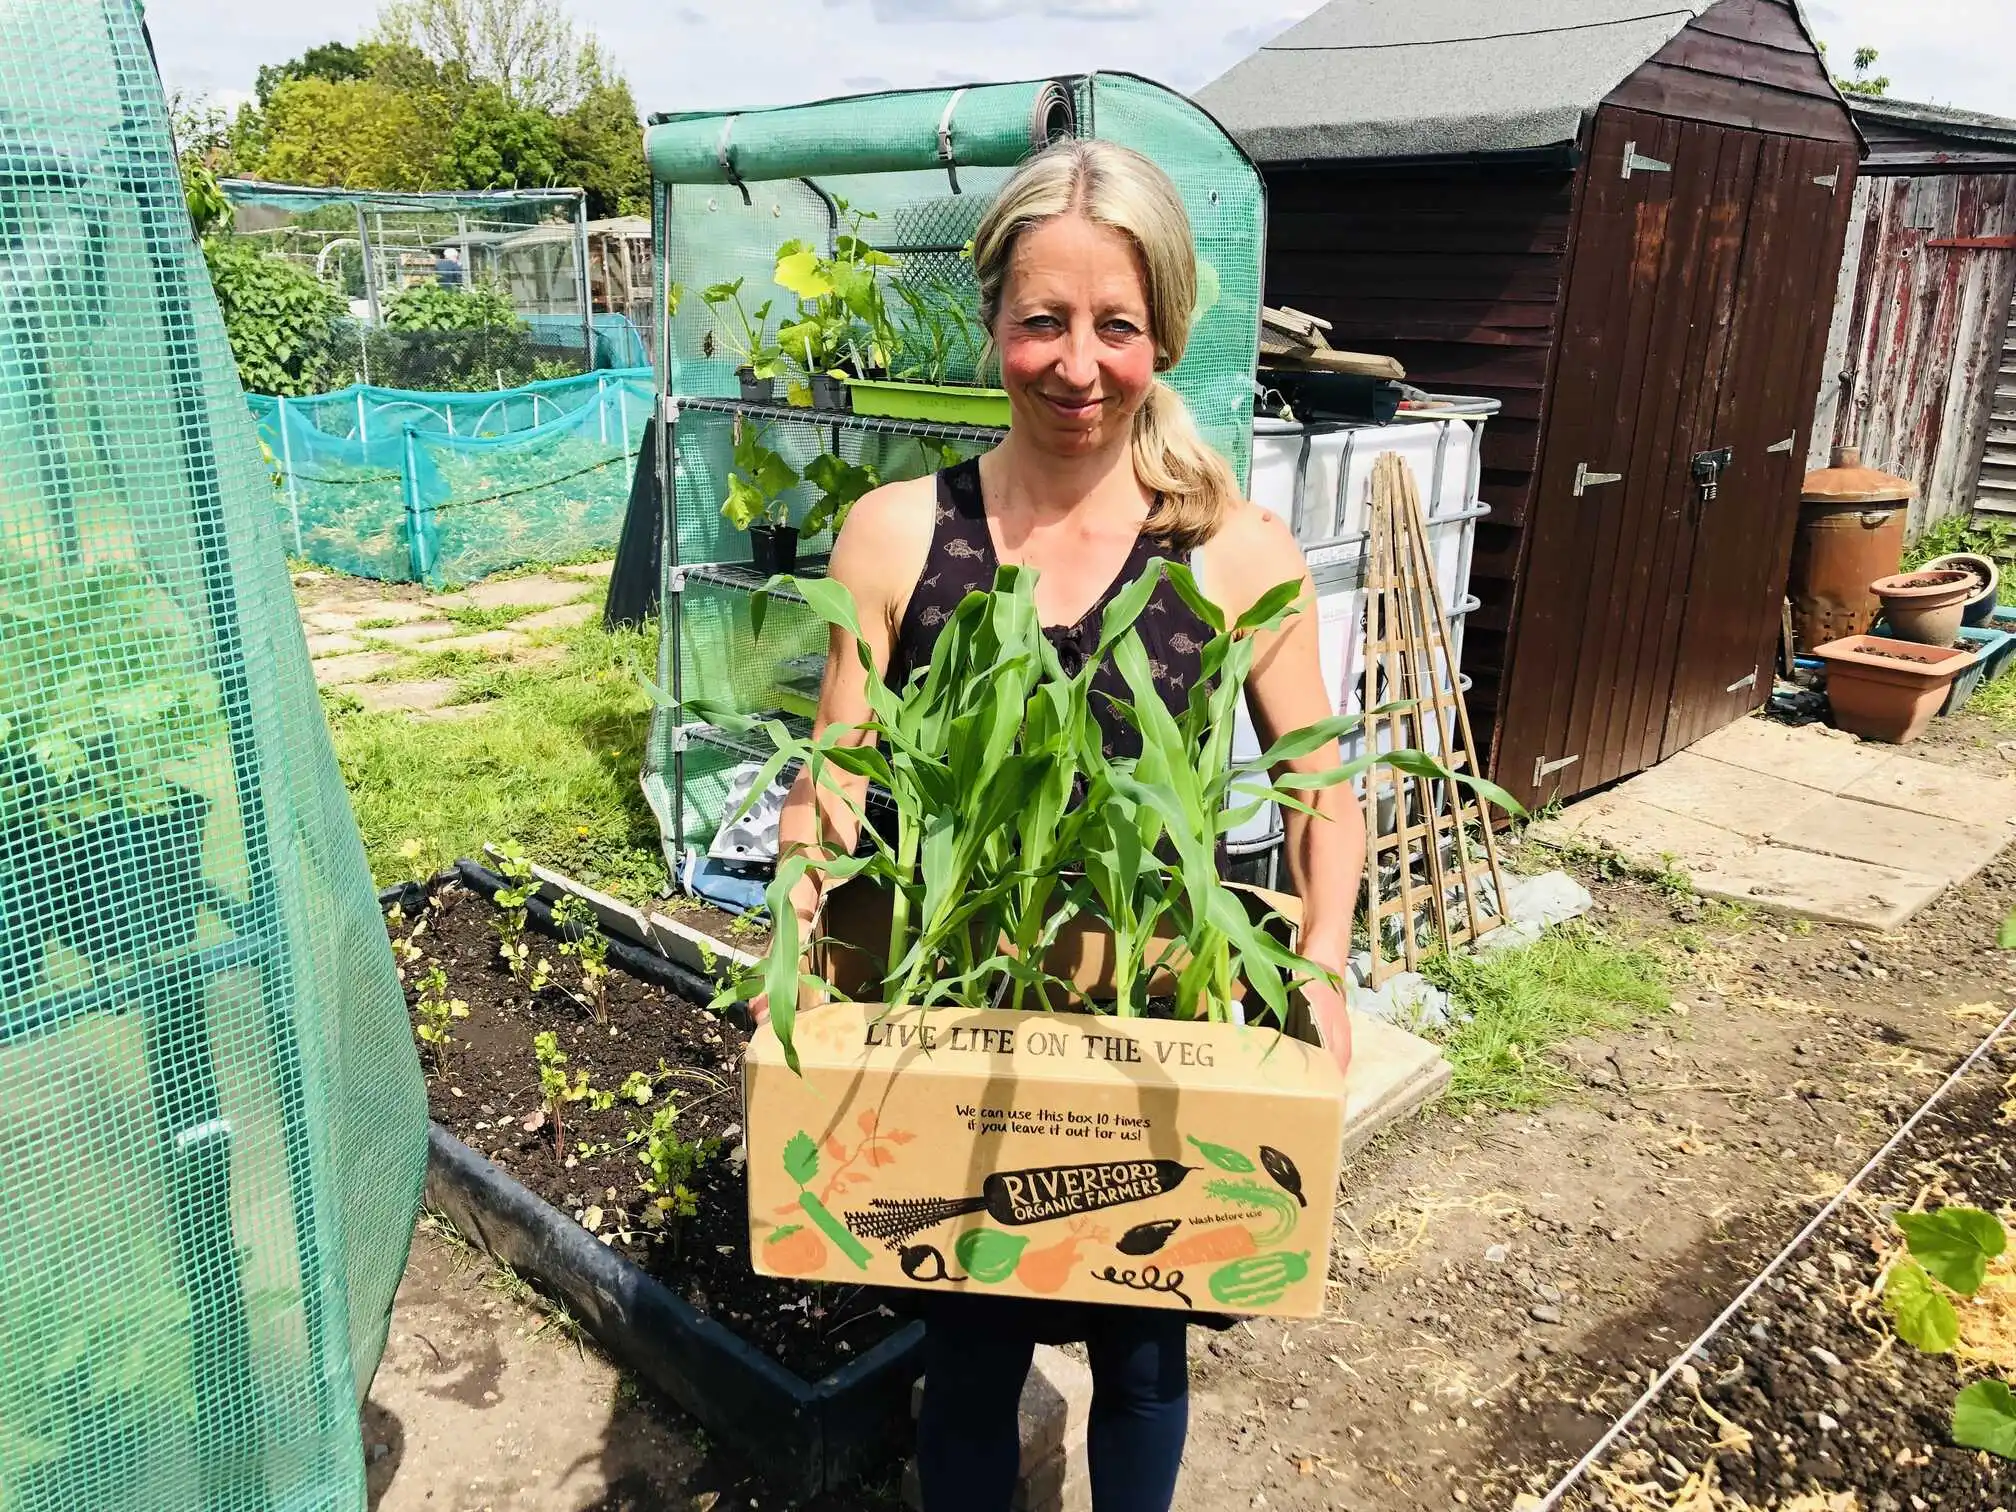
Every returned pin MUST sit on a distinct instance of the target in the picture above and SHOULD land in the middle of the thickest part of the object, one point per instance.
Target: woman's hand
(1327, 1004)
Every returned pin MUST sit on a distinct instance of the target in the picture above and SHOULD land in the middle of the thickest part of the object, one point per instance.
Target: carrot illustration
(1228, 1241)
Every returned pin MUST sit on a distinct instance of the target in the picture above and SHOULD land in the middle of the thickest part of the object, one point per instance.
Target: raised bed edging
(803, 1437)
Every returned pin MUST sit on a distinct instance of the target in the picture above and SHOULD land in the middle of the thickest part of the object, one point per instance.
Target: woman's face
(1077, 358)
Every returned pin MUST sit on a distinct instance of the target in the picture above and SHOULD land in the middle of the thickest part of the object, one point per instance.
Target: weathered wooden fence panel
(1920, 324)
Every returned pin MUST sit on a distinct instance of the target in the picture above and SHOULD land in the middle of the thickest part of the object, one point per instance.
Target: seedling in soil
(670, 1163)
(583, 939)
(556, 1088)
(518, 890)
(405, 947)
(437, 1013)
(1948, 1251)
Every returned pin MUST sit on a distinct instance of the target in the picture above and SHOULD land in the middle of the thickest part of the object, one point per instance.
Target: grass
(1996, 701)
(496, 617)
(550, 765)
(1519, 1004)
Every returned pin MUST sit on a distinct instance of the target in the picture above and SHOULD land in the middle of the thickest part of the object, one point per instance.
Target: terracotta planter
(1925, 606)
(1889, 690)
(1980, 607)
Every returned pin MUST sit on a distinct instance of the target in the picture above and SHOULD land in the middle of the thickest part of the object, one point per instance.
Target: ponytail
(1195, 488)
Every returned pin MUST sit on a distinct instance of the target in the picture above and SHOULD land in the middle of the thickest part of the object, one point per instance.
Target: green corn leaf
(1955, 1244)
(1272, 607)
(1185, 583)
(1984, 1417)
(1924, 1318)
(1302, 742)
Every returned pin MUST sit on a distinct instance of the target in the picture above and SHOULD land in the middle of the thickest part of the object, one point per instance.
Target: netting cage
(212, 1122)
(897, 182)
(454, 289)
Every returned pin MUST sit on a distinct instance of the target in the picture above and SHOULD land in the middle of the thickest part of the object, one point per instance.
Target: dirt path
(1503, 1283)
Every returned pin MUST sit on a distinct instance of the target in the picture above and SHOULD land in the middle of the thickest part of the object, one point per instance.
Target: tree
(497, 145)
(357, 133)
(602, 143)
(528, 48)
(334, 61)
(1859, 82)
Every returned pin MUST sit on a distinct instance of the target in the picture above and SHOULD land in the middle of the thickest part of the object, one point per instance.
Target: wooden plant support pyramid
(1417, 829)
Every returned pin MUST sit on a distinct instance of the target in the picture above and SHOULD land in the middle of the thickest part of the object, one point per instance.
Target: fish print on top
(962, 561)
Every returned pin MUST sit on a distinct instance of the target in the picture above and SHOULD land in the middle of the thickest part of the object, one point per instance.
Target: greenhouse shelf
(751, 750)
(887, 425)
(746, 579)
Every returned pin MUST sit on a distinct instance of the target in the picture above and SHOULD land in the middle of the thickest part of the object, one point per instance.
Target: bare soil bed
(490, 1094)
(1807, 1391)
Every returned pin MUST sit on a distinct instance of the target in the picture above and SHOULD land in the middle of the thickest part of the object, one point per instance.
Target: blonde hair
(1115, 186)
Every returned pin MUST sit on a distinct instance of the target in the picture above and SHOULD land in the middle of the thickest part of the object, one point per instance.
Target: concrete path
(1804, 821)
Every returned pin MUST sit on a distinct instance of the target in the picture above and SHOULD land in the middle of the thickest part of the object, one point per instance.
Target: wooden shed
(1921, 365)
(1623, 219)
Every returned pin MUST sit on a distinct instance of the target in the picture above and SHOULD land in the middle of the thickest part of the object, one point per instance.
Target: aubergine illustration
(1146, 1238)
(1282, 1169)
(923, 1262)
(1020, 1198)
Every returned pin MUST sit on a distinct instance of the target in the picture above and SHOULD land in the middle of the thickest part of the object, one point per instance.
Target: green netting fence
(212, 1122)
(445, 488)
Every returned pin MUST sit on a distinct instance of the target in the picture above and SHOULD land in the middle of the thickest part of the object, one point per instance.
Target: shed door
(1637, 391)
(1743, 539)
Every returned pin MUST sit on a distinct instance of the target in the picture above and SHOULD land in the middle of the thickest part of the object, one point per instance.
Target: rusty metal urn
(1851, 532)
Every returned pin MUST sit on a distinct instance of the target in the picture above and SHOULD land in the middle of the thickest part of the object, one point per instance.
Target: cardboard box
(1072, 1156)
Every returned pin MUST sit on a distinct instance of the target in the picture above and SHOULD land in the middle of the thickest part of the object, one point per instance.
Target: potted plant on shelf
(104, 695)
(841, 484)
(747, 337)
(841, 317)
(758, 480)
(935, 339)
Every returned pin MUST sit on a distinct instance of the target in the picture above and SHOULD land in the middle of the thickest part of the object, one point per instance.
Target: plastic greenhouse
(914, 172)
(212, 1123)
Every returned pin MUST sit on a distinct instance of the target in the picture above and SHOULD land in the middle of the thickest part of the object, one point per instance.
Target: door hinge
(1743, 682)
(1586, 480)
(1831, 182)
(1635, 163)
(1542, 767)
(1784, 446)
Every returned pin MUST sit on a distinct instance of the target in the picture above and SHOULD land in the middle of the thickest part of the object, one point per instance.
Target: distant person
(448, 268)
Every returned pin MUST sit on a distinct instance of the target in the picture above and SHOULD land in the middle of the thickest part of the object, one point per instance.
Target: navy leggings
(976, 1356)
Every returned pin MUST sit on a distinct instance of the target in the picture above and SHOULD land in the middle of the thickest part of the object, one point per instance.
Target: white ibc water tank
(1319, 479)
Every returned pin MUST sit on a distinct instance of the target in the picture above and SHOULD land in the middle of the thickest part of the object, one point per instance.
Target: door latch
(1634, 162)
(1586, 480)
(1743, 682)
(1543, 768)
(1708, 469)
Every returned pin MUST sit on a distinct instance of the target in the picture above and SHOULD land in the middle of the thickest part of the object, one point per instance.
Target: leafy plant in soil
(556, 1087)
(584, 941)
(748, 336)
(437, 1012)
(758, 479)
(669, 1163)
(1947, 1253)
(841, 485)
(841, 311)
(520, 886)
(1011, 821)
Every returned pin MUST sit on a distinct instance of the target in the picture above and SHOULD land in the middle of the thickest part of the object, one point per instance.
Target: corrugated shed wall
(1918, 333)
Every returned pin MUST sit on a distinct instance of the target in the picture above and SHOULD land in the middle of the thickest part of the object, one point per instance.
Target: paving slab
(1926, 787)
(368, 609)
(1751, 803)
(413, 633)
(1642, 832)
(539, 591)
(1814, 886)
(1813, 756)
(487, 642)
(1392, 1073)
(588, 571)
(564, 617)
(420, 697)
(1892, 837)
(334, 643)
(331, 670)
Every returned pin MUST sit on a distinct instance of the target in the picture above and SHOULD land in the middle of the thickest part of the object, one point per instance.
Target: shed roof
(1439, 78)
(1938, 120)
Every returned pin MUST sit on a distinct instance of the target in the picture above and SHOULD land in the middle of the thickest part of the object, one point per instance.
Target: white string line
(1582, 1466)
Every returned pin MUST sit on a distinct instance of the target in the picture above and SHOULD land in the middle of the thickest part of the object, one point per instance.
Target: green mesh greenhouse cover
(445, 488)
(925, 165)
(212, 1122)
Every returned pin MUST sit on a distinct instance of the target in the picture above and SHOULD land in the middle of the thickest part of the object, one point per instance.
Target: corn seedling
(1947, 1254)
(556, 1088)
(437, 1013)
(582, 938)
(1011, 821)
(669, 1163)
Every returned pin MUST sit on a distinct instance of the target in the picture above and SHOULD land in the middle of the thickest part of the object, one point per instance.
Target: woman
(1088, 277)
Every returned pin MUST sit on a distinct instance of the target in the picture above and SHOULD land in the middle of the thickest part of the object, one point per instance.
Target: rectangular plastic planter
(803, 1436)
(946, 403)
(1993, 648)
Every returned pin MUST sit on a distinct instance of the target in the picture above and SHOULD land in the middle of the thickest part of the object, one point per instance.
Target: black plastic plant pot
(129, 884)
(830, 393)
(756, 390)
(803, 1436)
(773, 548)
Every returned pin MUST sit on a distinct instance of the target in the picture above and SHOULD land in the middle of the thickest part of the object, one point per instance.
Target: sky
(714, 54)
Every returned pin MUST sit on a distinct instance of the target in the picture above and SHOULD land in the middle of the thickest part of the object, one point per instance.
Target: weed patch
(1515, 1005)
